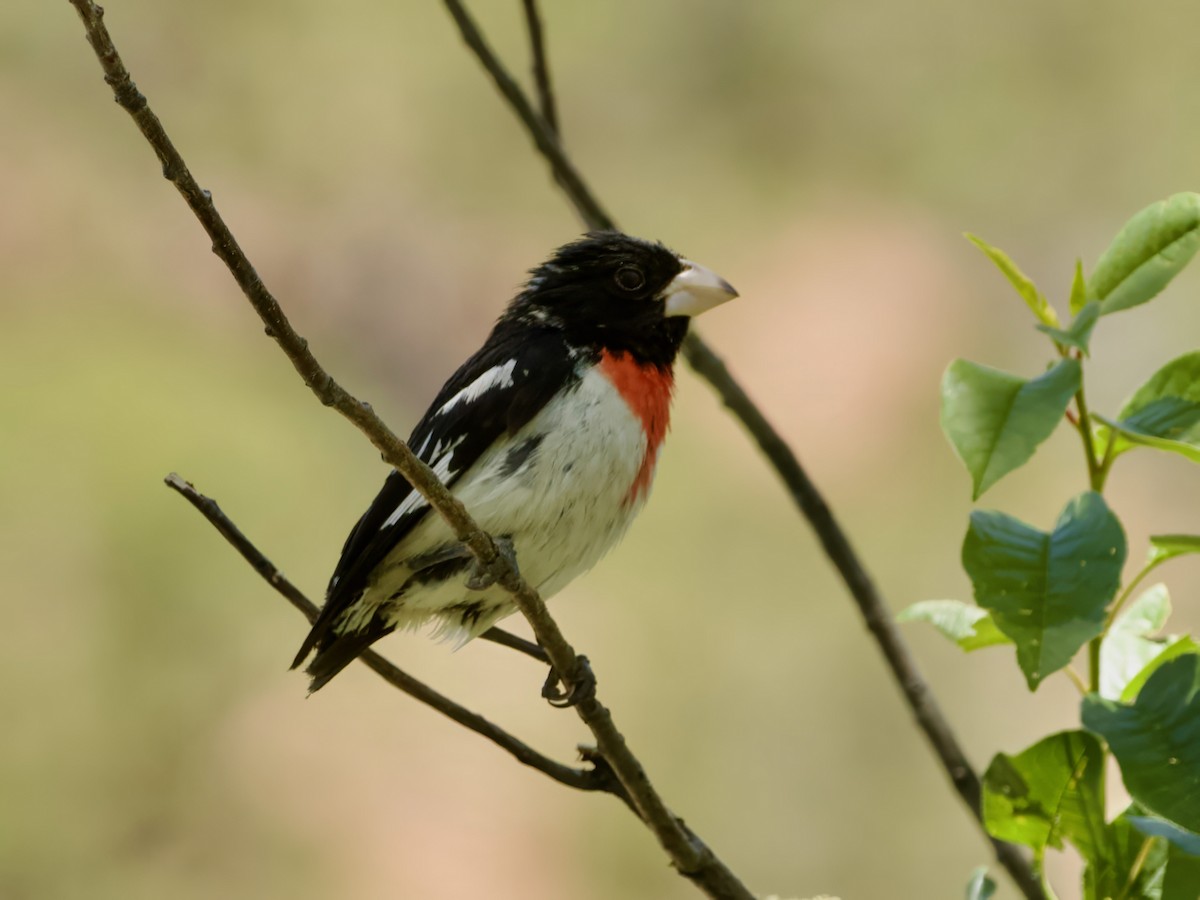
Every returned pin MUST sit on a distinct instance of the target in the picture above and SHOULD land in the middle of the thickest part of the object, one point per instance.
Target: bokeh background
(824, 157)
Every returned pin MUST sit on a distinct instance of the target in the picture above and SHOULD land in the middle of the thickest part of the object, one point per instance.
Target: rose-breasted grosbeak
(549, 435)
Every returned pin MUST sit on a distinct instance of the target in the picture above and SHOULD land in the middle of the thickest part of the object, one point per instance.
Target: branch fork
(614, 768)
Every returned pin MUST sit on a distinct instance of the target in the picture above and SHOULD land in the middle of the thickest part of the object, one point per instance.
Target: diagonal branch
(596, 779)
(709, 366)
(544, 137)
(691, 856)
(541, 67)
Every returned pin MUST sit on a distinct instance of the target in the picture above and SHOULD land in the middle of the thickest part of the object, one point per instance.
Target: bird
(549, 435)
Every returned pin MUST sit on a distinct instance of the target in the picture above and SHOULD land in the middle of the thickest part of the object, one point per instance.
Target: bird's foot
(481, 577)
(582, 686)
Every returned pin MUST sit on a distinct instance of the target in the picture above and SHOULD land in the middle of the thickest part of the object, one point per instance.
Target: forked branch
(691, 856)
(804, 493)
(595, 779)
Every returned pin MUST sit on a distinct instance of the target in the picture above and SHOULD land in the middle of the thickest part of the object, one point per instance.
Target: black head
(611, 291)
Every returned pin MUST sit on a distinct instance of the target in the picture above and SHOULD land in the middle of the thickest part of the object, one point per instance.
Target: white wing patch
(414, 500)
(495, 377)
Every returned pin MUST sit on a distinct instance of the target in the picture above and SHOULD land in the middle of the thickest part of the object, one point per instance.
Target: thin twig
(545, 93)
(508, 639)
(709, 366)
(543, 136)
(691, 856)
(582, 779)
(541, 68)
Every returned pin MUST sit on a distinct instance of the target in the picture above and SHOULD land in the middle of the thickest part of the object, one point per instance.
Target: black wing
(495, 392)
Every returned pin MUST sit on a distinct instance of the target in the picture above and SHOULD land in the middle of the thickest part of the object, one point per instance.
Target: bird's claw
(582, 686)
(481, 577)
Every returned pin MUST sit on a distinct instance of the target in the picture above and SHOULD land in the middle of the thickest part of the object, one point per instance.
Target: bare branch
(544, 138)
(595, 779)
(541, 68)
(709, 366)
(691, 856)
(508, 639)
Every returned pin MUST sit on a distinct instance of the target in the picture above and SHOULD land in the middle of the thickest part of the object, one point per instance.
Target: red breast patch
(646, 389)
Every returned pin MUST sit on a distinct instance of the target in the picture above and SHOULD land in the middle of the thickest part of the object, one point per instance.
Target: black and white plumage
(549, 435)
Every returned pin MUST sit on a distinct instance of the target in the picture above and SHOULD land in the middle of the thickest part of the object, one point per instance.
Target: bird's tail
(336, 651)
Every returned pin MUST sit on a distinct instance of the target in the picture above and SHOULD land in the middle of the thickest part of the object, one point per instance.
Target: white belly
(563, 508)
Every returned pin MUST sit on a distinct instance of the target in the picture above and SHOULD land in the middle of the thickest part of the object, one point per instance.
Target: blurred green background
(824, 157)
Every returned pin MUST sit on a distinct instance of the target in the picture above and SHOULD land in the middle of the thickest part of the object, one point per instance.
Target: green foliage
(1048, 592)
(996, 420)
(968, 626)
(1079, 294)
(1034, 299)
(1168, 546)
(1079, 333)
(1147, 253)
(1153, 826)
(1053, 594)
(1174, 650)
(1131, 867)
(1156, 740)
(1052, 790)
(1182, 876)
(1164, 412)
(980, 886)
(1130, 644)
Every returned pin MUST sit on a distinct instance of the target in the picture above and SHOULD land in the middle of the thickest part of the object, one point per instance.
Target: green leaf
(1129, 645)
(1050, 791)
(1147, 253)
(1145, 615)
(1079, 295)
(1033, 298)
(1182, 877)
(1178, 648)
(968, 626)
(1080, 331)
(1168, 546)
(1156, 740)
(1108, 876)
(1164, 412)
(1187, 841)
(1048, 592)
(1182, 880)
(980, 886)
(1129, 437)
(1168, 404)
(996, 420)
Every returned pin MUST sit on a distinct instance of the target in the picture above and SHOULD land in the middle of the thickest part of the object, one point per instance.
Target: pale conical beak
(695, 290)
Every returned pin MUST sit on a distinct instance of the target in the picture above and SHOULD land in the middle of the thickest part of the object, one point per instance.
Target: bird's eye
(629, 278)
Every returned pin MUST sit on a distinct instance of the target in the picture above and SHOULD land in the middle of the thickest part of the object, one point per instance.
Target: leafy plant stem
(1096, 477)
(1136, 869)
(1096, 472)
(1076, 679)
(1106, 463)
(1039, 868)
(1048, 887)
(1094, 665)
(1128, 592)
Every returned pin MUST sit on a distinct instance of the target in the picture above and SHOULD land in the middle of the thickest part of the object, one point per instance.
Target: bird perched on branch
(549, 435)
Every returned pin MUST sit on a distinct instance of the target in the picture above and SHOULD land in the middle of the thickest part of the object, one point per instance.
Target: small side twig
(804, 493)
(594, 779)
(541, 68)
(508, 639)
(544, 137)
